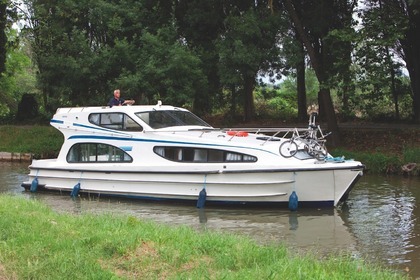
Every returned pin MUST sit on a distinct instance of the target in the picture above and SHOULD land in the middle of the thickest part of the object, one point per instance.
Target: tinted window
(185, 154)
(96, 152)
(118, 121)
(161, 119)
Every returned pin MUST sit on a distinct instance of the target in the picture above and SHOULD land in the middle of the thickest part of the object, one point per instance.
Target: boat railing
(268, 134)
(275, 130)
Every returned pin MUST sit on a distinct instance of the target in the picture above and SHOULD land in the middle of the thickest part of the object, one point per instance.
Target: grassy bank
(41, 141)
(385, 163)
(382, 151)
(38, 243)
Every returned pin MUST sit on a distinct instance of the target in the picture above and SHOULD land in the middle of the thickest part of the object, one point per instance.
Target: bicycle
(312, 144)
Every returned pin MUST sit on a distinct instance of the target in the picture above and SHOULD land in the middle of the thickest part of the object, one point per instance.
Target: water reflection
(382, 214)
(379, 222)
(11, 176)
(320, 230)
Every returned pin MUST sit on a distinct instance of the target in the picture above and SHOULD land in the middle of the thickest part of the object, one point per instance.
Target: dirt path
(388, 139)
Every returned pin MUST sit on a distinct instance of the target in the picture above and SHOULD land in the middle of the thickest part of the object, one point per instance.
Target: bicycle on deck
(308, 142)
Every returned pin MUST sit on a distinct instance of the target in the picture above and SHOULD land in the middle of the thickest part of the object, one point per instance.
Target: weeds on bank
(38, 243)
(379, 163)
(412, 155)
(375, 162)
(41, 141)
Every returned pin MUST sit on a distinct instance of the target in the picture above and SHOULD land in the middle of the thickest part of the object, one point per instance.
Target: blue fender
(75, 191)
(34, 185)
(202, 198)
(293, 201)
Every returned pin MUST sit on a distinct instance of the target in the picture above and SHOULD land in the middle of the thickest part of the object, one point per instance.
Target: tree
(165, 70)
(201, 24)
(3, 38)
(378, 49)
(295, 56)
(81, 48)
(410, 44)
(85, 49)
(247, 47)
(300, 82)
(313, 21)
(15, 66)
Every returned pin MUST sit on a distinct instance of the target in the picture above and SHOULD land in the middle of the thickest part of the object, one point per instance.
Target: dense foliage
(214, 56)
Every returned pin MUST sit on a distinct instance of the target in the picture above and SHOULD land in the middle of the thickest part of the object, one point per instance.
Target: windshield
(162, 119)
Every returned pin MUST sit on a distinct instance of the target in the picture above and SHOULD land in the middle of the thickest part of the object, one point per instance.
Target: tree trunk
(394, 94)
(415, 86)
(316, 60)
(348, 90)
(411, 47)
(301, 88)
(412, 53)
(249, 108)
(3, 38)
(325, 96)
(234, 95)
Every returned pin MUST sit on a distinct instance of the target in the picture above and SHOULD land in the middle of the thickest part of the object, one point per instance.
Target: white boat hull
(326, 187)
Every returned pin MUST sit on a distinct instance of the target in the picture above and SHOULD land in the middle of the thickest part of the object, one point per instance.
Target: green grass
(379, 163)
(38, 243)
(41, 141)
(375, 162)
(412, 155)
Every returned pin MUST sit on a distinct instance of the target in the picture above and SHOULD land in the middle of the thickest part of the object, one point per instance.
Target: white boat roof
(146, 116)
(134, 108)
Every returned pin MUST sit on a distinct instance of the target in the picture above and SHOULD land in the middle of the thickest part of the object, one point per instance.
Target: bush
(377, 163)
(411, 155)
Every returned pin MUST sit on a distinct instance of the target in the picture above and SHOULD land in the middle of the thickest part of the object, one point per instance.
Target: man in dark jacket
(118, 101)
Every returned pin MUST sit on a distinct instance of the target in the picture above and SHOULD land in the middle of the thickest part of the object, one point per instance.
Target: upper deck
(127, 118)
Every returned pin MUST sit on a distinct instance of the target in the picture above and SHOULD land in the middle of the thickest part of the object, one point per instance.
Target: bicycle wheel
(320, 156)
(309, 149)
(319, 151)
(288, 148)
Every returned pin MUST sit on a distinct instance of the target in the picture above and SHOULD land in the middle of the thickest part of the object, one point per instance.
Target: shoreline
(15, 157)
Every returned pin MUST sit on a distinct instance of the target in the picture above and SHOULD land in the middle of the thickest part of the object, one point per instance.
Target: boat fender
(75, 191)
(34, 185)
(293, 201)
(202, 198)
(237, 133)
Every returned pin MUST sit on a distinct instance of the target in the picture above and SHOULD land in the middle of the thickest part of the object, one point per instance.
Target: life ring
(237, 133)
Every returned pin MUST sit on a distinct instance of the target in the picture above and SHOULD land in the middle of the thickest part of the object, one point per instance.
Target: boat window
(96, 152)
(168, 118)
(186, 154)
(118, 121)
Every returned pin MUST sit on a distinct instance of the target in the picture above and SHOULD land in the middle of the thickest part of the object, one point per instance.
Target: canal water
(380, 222)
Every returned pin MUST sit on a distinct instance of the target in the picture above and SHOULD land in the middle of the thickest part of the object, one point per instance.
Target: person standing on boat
(118, 101)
